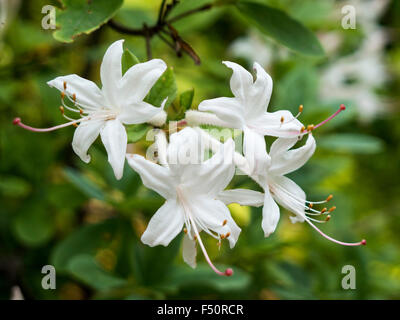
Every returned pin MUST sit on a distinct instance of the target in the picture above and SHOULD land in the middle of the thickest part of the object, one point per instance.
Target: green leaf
(352, 143)
(86, 269)
(34, 225)
(84, 184)
(83, 16)
(137, 131)
(280, 26)
(204, 276)
(86, 240)
(153, 263)
(186, 99)
(11, 186)
(164, 87)
(128, 60)
(302, 84)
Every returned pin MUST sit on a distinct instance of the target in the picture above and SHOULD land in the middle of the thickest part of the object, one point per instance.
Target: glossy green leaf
(186, 99)
(128, 60)
(280, 26)
(86, 269)
(83, 16)
(137, 131)
(83, 184)
(164, 88)
(352, 143)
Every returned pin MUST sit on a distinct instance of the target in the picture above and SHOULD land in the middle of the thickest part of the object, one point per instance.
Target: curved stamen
(302, 200)
(341, 108)
(352, 244)
(17, 122)
(228, 272)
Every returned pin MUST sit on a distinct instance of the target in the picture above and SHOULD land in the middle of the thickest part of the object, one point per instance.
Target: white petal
(243, 197)
(229, 110)
(153, 176)
(255, 151)
(293, 159)
(185, 153)
(87, 93)
(115, 139)
(282, 145)
(260, 94)
(210, 214)
(241, 80)
(290, 196)
(84, 136)
(270, 214)
(270, 124)
(213, 175)
(138, 112)
(189, 251)
(111, 72)
(140, 78)
(165, 224)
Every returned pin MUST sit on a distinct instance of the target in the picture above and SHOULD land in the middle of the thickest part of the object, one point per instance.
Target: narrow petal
(140, 78)
(138, 112)
(153, 176)
(293, 159)
(185, 153)
(213, 175)
(270, 214)
(241, 80)
(255, 151)
(210, 214)
(189, 251)
(115, 139)
(84, 136)
(87, 94)
(165, 224)
(290, 196)
(270, 123)
(229, 110)
(111, 72)
(243, 197)
(260, 94)
(282, 145)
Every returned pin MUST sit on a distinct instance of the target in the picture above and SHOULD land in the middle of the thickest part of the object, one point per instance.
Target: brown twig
(148, 32)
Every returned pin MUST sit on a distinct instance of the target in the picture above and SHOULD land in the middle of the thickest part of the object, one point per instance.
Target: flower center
(86, 113)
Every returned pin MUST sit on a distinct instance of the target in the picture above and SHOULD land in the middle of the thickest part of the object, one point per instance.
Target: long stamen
(341, 108)
(228, 272)
(17, 121)
(302, 200)
(352, 244)
(303, 131)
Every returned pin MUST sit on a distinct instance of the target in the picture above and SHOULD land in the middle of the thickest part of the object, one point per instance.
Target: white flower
(247, 111)
(282, 190)
(190, 187)
(105, 111)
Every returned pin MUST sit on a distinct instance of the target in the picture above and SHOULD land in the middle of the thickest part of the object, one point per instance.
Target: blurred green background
(54, 209)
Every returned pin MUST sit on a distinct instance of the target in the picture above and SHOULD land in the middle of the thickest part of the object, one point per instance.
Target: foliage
(57, 210)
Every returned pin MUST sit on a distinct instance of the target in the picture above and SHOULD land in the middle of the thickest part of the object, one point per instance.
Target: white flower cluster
(193, 186)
